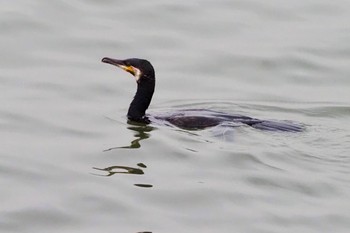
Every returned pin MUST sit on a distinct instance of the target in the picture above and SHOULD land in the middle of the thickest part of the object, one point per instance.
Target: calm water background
(62, 116)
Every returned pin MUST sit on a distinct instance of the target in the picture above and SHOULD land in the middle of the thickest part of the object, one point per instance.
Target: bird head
(141, 69)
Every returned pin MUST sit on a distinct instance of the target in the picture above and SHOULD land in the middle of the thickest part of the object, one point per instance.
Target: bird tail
(278, 126)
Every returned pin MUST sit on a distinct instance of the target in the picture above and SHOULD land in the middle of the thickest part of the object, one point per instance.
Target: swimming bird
(191, 119)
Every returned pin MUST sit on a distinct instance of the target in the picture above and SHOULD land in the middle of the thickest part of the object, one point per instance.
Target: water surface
(70, 162)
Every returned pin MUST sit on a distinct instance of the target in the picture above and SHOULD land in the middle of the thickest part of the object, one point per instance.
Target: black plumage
(185, 119)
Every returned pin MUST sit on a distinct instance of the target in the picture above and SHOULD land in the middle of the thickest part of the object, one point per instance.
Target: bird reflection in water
(121, 170)
(112, 170)
(141, 132)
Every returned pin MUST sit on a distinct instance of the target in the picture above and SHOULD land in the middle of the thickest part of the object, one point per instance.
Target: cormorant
(144, 73)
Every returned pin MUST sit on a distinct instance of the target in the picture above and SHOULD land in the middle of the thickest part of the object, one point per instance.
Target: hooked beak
(120, 64)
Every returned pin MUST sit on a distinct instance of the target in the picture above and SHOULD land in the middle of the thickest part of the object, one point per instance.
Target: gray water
(69, 162)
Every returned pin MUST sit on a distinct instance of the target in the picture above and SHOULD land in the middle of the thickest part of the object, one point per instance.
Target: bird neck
(142, 100)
